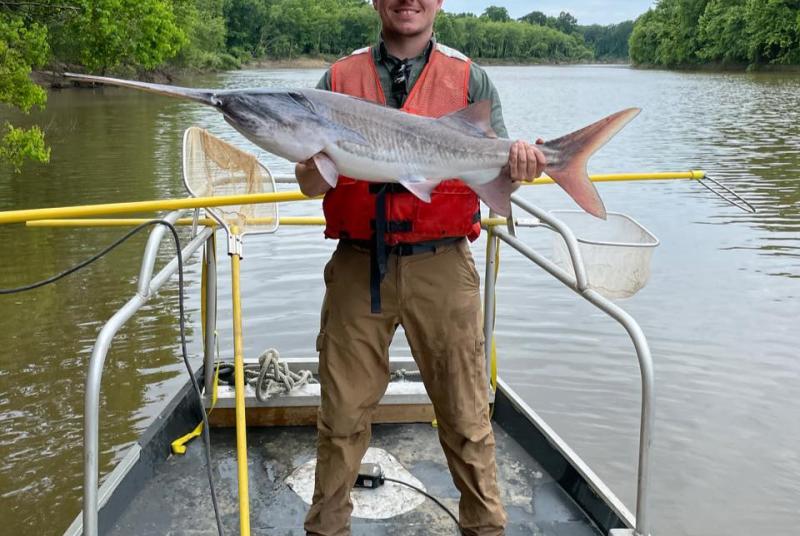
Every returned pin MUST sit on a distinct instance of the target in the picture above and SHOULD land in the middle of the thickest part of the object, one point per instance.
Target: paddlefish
(356, 138)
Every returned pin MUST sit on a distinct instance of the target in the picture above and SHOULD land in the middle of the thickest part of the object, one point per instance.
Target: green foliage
(19, 145)
(22, 47)
(109, 34)
(608, 42)
(245, 20)
(496, 14)
(723, 32)
(566, 23)
(485, 38)
(690, 32)
(773, 30)
(288, 28)
(203, 23)
(535, 17)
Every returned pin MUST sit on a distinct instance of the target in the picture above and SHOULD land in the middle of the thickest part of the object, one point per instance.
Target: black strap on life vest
(378, 254)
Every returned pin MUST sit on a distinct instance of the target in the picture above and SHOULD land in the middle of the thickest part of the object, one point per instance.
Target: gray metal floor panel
(177, 500)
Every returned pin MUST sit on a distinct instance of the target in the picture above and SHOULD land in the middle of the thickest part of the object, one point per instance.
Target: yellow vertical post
(241, 424)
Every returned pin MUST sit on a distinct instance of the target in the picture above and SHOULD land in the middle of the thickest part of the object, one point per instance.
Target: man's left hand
(525, 161)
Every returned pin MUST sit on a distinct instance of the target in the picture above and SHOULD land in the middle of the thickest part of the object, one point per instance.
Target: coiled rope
(271, 376)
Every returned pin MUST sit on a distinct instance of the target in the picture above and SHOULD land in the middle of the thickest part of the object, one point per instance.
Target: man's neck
(405, 47)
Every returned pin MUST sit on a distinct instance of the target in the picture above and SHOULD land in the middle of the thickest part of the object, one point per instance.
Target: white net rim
(651, 243)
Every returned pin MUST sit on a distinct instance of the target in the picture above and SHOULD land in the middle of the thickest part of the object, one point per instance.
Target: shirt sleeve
(325, 81)
(482, 88)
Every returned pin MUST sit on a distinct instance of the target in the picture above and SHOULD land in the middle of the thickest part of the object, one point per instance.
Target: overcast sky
(586, 11)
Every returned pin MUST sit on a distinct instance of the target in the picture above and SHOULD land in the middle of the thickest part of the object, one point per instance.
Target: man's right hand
(310, 179)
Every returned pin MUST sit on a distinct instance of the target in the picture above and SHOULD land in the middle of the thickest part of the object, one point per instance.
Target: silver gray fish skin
(365, 140)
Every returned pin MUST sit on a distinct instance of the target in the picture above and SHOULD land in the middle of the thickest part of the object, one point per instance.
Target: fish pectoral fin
(496, 193)
(327, 168)
(419, 186)
(474, 120)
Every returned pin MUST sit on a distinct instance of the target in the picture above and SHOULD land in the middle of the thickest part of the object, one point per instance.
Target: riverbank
(722, 68)
(322, 62)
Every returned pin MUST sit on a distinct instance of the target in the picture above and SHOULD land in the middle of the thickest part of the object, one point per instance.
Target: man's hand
(525, 161)
(310, 179)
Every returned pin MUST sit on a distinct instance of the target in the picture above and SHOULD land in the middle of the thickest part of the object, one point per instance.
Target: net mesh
(212, 167)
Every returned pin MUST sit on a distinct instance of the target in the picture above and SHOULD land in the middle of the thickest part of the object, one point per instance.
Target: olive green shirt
(480, 86)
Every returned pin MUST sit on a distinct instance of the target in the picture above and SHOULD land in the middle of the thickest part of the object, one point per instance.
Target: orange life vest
(454, 209)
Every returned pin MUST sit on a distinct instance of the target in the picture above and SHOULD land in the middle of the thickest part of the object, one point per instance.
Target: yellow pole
(622, 177)
(131, 222)
(83, 211)
(238, 374)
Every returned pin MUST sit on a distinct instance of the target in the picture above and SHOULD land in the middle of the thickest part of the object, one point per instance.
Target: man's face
(407, 17)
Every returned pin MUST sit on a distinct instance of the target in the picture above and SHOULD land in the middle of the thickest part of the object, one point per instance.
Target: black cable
(182, 322)
(428, 495)
(81, 264)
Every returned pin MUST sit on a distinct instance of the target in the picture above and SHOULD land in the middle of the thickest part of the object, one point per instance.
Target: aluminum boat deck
(544, 494)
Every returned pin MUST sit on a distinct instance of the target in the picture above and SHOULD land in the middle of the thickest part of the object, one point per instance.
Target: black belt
(405, 250)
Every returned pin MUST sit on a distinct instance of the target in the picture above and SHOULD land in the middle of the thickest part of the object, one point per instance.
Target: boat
(547, 488)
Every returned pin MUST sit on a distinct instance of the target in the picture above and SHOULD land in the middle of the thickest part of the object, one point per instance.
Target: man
(401, 261)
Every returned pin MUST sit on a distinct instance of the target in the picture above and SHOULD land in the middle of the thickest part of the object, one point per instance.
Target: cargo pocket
(467, 265)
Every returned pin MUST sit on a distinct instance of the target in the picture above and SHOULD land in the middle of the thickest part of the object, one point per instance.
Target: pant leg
(353, 349)
(442, 318)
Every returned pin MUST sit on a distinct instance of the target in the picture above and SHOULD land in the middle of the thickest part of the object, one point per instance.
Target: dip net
(213, 167)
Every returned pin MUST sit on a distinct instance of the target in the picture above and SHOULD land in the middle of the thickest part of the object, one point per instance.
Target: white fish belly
(372, 169)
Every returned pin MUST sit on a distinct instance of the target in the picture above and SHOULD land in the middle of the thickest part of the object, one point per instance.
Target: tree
(22, 47)
(535, 17)
(566, 23)
(609, 42)
(109, 34)
(723, 32)
(773, 27)
(496, 14)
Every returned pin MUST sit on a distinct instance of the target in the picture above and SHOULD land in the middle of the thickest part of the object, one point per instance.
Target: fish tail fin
(198, 95)
(572, 152)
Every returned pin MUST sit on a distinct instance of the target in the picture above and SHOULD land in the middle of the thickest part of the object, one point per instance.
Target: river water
(720, 311)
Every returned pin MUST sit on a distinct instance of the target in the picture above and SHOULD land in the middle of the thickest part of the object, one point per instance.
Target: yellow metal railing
(108, 209)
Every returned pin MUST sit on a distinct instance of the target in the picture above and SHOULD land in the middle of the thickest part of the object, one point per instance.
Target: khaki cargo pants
(436, 298)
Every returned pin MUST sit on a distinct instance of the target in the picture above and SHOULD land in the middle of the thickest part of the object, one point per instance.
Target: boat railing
(580, 284)
(148, 285)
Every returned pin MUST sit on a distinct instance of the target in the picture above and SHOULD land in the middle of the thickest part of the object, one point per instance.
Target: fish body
(366, 141)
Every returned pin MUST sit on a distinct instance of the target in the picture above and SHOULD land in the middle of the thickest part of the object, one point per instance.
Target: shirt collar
(380, 54)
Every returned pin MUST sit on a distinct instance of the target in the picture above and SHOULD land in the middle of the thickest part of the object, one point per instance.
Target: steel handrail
(147, 286)
(579, 284)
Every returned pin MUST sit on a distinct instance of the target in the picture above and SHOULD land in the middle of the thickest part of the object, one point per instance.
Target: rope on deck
(271, 376)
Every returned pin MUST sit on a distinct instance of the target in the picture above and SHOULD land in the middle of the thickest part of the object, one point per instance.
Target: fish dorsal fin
(474, 120)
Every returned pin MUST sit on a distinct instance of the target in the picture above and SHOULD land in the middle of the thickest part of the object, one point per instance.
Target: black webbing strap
(378, 255)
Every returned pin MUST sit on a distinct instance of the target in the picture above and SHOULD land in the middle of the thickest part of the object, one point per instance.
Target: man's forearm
(310, 179)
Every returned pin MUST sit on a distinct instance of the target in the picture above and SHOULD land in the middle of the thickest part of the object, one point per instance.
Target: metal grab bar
(147, 286)
(580, 285)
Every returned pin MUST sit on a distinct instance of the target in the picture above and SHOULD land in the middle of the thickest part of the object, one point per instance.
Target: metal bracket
(235, 245)
(512, 230)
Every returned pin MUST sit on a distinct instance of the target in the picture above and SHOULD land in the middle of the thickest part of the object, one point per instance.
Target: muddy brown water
(721, 309)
